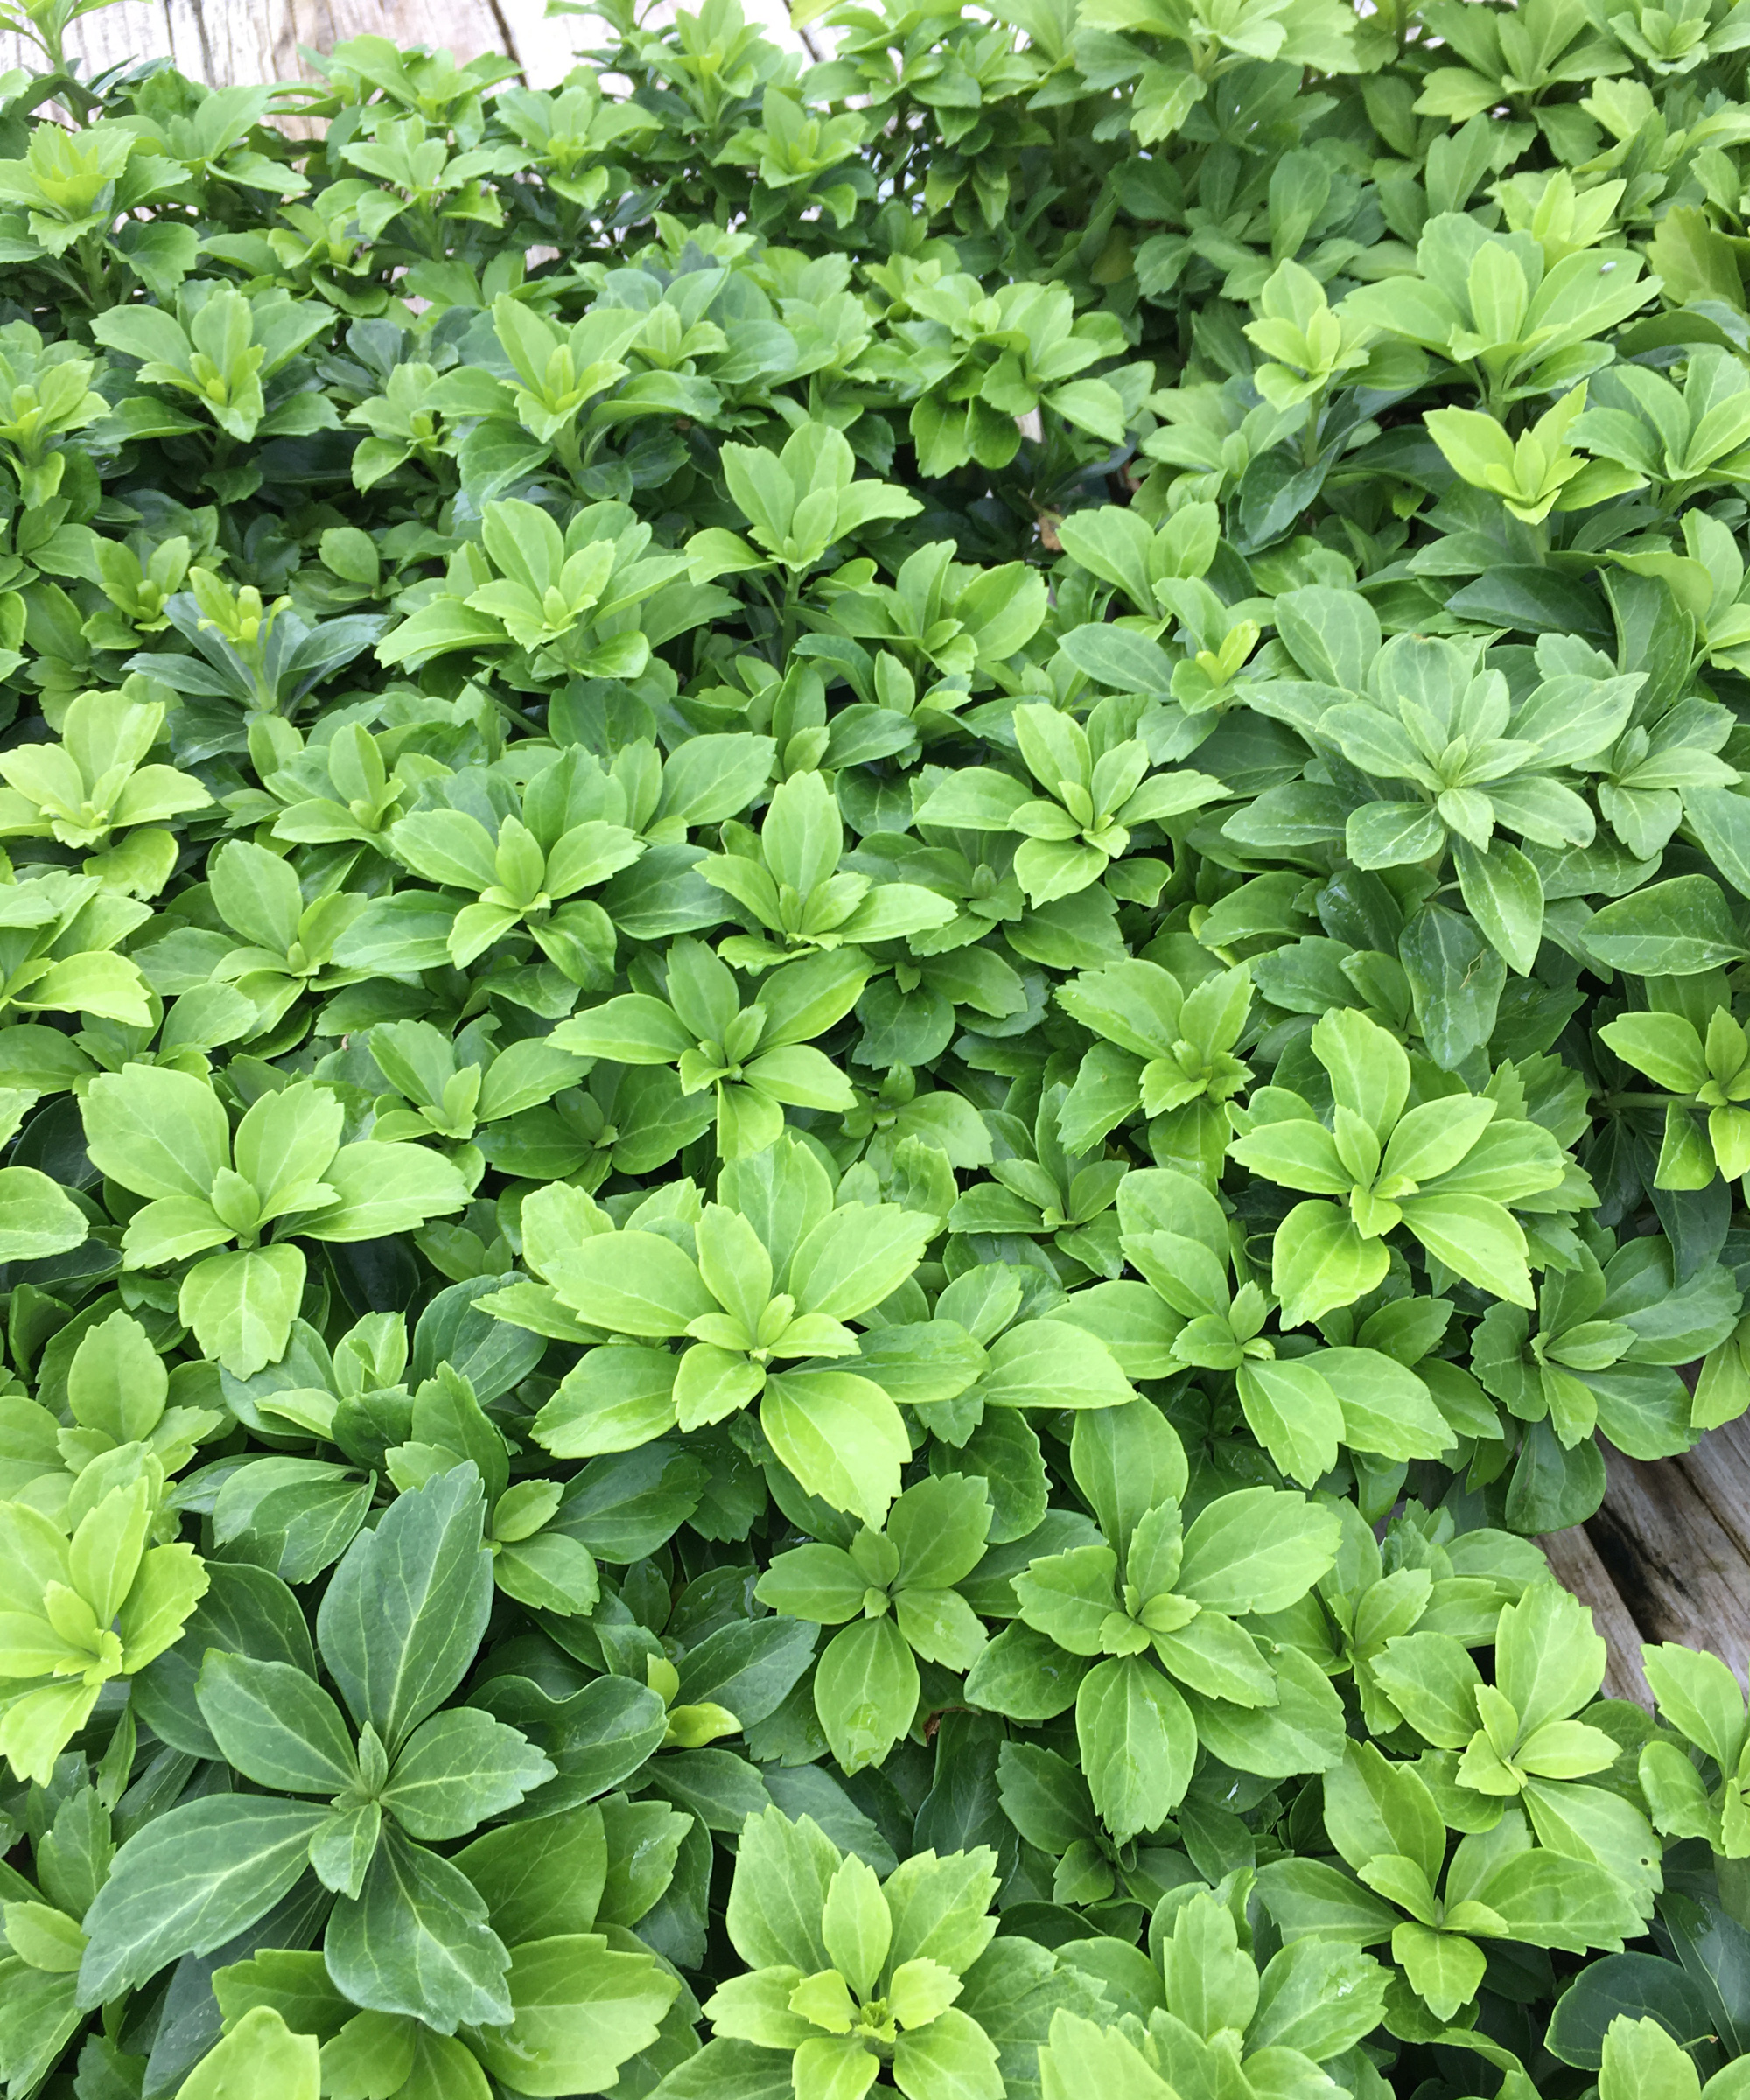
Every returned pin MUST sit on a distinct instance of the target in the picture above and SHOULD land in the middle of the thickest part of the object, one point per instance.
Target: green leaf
(939, 1527)
(1138, 1742)
(1321, 1262)
(36, 1219)
(1695, 262)
(191, 1880)
(1386, 1408)
(633, 1029)
(242, 1305)
(1369, 1071)
(1456, 979)
(458, 1769)
(1318, 2000)
(1671, 929)
(384, 1188)
(1721, 819)
(1303, 1731)
(1639, 2059)
(259, 2055)
(1257, 1550)
(783, 1872)
(156, 1132)
(840, 1435)
(580, 2009)
(275, 1725)
(1081, 2054)
(1505, 897)
(1477, 1239)
(865, 1692)
(941, 1908)
(1048, 1363)
(1663, 1045)
(256, 894)
(1374, 1808)
(1432, 1681)
(1294, 1414)
(416, 1941)
(632, 1282)
(1070, 1596)
(855, 1258)
(856, 1926)
(1620, 1989)
(406, 1608)
(246, 1611)
(1698, 1694)
(545, 1891)
(1549, 1901)
(1119, 657)
(1548, 1659)
(1311, 1898)
(952, 2054)
(1025, 1675)
(1127, 1460)
(1443, 1968)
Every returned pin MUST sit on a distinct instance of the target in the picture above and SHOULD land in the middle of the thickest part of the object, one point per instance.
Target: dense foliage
(873, 946)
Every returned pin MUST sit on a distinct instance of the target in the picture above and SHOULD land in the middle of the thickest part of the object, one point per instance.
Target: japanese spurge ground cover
(874, 950)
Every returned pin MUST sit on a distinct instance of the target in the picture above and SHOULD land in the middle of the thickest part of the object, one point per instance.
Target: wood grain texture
(228, 43)
(1578, 1567)
(120, 35)
(1719, 1470)
(467, 29)
(233, 45)
(1680, 1572)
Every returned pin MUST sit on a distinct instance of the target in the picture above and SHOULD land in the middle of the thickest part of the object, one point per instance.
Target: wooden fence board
(240, 41)
(258, 40)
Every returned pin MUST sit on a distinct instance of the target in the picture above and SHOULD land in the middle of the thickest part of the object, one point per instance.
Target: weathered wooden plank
(229, 42)
(1719, 1470)
(114, 36)
(232, 46)
(1682, 1575)
(259, 41)
(1578, 1567)
(466, 27)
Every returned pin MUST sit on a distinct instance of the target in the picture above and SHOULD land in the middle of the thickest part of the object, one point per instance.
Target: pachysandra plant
(896, 1586)
(873, 963)
(1185, 1039)
(95, 782)
(1129, 1627)
(85, 1605)
(1423, 1167)
(847, 1973)
(756, 1058)
(1216, 2014)
(165, 1136)
(585, 1994)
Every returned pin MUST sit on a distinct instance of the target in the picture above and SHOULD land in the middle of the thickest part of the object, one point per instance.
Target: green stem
(1309, 439)
(568, 446)
(515, 715)
(772, 605)
(91, 256)
(787, 616)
